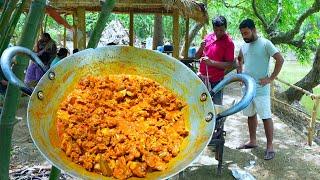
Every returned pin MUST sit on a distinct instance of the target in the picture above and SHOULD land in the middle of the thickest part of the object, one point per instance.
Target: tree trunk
(157, 32)
(311, 80)
(192, 34)
(13, 93)
(106, 10)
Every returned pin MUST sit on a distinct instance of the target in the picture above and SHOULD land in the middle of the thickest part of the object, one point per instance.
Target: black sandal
(269, 154)
(247, 146)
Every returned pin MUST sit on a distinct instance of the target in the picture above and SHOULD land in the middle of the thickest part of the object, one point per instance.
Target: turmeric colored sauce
(121, 125)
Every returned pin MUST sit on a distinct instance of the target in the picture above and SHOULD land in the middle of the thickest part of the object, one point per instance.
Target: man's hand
(206, 60)
(4, 82)
(265, 81)
(199, 52)
(203, 43)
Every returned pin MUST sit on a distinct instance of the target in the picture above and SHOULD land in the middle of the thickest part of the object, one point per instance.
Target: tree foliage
(271, 22)
(292, 24)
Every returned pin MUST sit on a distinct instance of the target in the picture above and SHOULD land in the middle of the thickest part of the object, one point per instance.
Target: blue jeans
(217, 97)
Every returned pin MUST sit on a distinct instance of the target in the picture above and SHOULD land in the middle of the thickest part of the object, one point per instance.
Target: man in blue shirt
(63, 52)
(254, 59)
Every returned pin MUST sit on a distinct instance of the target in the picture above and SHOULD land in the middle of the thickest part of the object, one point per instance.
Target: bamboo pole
(11, 26)
(75, 32)
(81, 12)
(175, 34)
(45, 24)
(1, 3)
(286, 104)
(55, 173)
(4, 5)
(13, 93)
(186, 39)
(106, 10)
(313, 121)
(316, 100)
(5, 17)
(131, 31)
(41, 28)
(65, 33)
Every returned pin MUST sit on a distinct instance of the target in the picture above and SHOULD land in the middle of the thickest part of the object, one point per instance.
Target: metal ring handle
(250, 91)
(6, 62)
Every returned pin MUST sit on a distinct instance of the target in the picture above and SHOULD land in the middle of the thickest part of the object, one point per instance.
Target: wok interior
(165, 70)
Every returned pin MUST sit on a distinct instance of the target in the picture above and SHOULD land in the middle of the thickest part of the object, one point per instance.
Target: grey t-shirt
(256, 57)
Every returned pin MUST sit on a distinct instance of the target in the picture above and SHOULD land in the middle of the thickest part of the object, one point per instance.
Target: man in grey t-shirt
(254, 59)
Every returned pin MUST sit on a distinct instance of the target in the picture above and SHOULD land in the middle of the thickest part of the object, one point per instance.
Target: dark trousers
(217, 97)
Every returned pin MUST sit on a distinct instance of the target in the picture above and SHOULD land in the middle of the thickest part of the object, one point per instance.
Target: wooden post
(41, 29)
(175, 34)
(131, 31)
(186, 39)
(313, 120)
(65, 33)
(75, 33)
(81, 32)
(45, 24)
(157, 31)
(204, 31)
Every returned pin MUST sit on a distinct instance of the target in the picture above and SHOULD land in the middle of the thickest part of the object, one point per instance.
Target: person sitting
(46, 46)
(192, 51)
(34, 72)
(143, 44)
(63, 52)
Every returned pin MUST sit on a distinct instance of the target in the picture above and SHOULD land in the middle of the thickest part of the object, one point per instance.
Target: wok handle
(250, 91)
(7, 60)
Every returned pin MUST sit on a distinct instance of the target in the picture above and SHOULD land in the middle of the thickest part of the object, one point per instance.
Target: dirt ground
(293, 160)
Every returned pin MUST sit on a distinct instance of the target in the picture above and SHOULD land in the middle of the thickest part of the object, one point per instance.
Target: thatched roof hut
(114, 33)
(187, 8)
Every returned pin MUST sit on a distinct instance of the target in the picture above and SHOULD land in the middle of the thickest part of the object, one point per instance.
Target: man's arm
(217, 64)
(228, 57)
(200, 50)
(240, 62)
(277, 68)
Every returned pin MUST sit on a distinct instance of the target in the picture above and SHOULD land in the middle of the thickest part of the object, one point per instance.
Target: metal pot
(59, 80)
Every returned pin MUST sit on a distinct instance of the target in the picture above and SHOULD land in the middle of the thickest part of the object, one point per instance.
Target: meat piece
(121, 125)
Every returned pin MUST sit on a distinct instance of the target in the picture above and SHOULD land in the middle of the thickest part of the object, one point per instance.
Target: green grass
(292, 72)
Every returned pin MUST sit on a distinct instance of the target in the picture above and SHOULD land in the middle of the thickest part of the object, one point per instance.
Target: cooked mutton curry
(121, 125)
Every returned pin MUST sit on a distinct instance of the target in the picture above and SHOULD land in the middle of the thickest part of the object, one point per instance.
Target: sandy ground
(294, 159)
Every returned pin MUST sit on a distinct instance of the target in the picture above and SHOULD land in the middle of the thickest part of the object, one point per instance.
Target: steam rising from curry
(121, 125)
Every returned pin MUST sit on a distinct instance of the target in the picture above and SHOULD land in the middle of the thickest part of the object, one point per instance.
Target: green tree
(289, 23)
